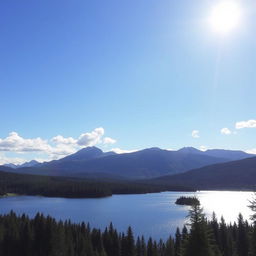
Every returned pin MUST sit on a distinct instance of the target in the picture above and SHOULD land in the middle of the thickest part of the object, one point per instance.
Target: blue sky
(146, 73)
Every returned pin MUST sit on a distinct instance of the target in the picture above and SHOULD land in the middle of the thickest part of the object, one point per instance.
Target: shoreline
(101, 197)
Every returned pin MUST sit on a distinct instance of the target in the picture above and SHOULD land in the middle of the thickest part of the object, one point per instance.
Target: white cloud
(11, 160)
(61, 150)
(195, 134)
(91, 138)
(122, 151)
(59, 139)
(225, 131)
(55, 148)
(251, 151)
(108, 140)
(246, 124)
(16, 143)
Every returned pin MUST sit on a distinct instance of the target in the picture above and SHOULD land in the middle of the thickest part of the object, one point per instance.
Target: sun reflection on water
(226, 203)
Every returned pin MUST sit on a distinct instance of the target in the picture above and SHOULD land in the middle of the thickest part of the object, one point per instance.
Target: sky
(124, 75)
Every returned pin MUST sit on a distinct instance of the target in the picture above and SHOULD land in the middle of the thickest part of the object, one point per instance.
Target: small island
(183, 200)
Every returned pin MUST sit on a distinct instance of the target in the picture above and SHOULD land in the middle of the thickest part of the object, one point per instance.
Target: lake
(153, 215)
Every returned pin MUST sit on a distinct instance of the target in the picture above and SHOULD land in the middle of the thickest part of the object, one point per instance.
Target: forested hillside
(77, 188)
(232, 175)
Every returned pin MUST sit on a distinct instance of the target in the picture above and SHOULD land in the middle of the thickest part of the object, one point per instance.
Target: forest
(43, 236)
(50, 186)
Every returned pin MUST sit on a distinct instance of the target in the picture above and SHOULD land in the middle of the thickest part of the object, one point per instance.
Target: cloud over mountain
(56, 147)
(91, 138)
(108, 140)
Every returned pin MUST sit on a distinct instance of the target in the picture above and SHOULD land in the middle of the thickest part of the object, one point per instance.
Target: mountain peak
(85, 154)
(152, 149)
(29, 164)
(89, 149)
(190, 150)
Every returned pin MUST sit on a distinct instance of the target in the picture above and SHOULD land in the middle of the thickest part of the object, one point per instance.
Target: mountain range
(144, 164)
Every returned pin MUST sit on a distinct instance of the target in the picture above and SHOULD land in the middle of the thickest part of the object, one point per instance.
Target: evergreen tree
(199, 242)
(225, 239)
(252, 206)
(242, 237)
(143, 247)
(123, 240)
(170, 250)
(150, 251)
(177, 242)
(130, 249)
(138, 247)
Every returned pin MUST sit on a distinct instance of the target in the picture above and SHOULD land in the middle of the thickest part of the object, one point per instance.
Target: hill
(239, 174)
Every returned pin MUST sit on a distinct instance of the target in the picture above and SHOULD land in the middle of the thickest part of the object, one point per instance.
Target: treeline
(43, 236)
(50, 186)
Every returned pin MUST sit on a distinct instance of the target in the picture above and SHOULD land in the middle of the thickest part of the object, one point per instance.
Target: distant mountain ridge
(229, 154)
(220, 153)
(26, 164)
(143, 164)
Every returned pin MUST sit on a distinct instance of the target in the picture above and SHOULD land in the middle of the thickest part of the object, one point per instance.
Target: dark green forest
(44, 236)
(26, 184)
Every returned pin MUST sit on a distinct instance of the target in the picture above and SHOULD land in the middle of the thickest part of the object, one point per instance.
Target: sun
(225, 16)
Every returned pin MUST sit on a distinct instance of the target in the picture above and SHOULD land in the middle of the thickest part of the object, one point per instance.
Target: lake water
(153, 215)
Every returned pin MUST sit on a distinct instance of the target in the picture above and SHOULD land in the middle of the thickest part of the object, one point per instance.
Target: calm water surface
(153, 215)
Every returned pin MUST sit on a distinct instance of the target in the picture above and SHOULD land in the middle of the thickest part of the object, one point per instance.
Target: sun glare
(225, 16)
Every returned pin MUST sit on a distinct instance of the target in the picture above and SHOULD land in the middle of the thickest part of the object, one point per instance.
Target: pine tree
(138, 247)
(252, 206)
(123, 245)
(199, 241)
(225, 239)
(242, 237)
(215, 227)
(143, 247)
(150, 247)
(177, 242)
(169, 250)
(130, 250)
